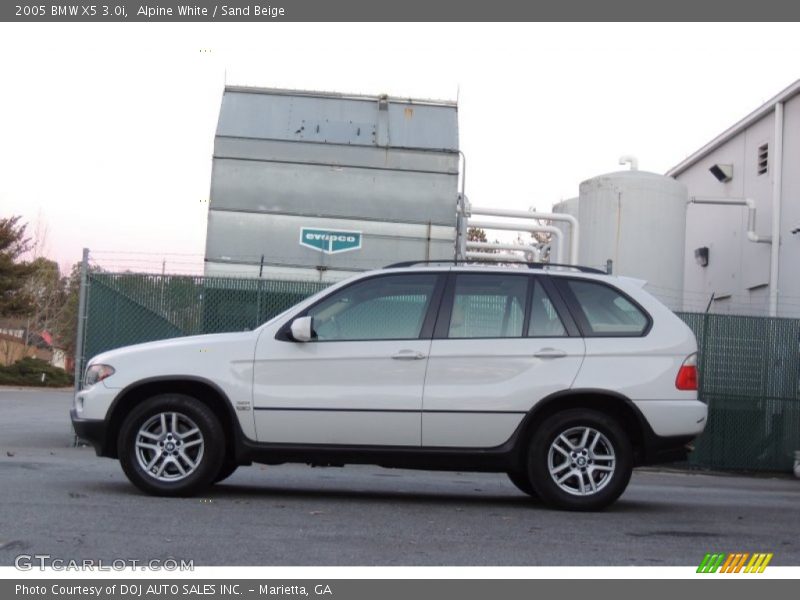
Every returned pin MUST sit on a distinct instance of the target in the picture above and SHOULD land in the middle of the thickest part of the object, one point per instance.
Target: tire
(228, 469)
(181, 441)
(522, 482)
(597, 453)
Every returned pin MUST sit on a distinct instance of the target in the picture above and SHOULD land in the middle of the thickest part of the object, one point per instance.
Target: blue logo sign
(330, 241)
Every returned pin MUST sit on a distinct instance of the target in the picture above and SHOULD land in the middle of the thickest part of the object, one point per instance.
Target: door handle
(408, 355)
(550, 353)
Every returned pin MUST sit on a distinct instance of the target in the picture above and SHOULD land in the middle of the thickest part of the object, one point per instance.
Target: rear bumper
(93, 431)
(668, 428)
(657, 449)
(674, 418)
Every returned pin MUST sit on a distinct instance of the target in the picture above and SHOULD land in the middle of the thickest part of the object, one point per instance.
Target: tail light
(687, 374)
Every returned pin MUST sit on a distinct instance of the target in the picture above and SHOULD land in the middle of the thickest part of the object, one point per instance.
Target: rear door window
(488, 306)
(606, 311)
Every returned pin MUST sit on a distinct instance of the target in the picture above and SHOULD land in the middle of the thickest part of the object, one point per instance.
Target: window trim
(552, 293)
(562, 283)
(426, 331)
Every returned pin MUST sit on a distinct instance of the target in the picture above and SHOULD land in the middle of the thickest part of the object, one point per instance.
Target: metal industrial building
(314, 186)
(742, 243)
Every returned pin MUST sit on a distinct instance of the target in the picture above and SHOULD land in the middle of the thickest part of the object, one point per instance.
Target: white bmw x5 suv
(565, 379)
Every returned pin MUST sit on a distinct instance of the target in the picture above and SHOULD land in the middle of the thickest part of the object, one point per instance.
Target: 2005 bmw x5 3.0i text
(565, 379)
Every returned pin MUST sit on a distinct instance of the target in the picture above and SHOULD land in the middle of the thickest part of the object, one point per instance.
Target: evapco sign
(330, 241)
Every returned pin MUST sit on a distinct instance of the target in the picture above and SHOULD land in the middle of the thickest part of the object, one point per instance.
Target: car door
(503, 341)
(620, 354)
(359, 380)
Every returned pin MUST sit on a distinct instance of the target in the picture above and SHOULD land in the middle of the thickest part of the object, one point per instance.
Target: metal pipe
(463, 172)
(777, 176)
(523, 214)
(462, 226)
(627, 159)
(531, 250)
(559, 235)
(751, 214)
(501, 246)
(500, 257)
(79, 350)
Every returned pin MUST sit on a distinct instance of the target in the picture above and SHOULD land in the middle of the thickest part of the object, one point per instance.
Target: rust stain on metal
(408, 112)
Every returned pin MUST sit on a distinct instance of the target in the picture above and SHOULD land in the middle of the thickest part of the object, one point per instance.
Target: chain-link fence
(750, 366)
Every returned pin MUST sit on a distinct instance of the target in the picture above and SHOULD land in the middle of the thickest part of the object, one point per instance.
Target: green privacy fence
(750, 366)
(750, 377)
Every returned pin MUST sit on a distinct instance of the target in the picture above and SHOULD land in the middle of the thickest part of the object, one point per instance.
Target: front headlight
(97, 373)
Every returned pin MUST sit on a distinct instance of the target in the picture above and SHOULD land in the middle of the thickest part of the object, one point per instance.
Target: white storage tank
(567, 207)
(637, 220)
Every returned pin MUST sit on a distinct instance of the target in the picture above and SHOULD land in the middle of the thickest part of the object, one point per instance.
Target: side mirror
(302, 329)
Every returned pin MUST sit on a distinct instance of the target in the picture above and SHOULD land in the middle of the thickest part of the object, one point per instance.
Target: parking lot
(66, 502)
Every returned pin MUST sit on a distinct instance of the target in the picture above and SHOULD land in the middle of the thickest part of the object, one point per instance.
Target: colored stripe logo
(736, 562)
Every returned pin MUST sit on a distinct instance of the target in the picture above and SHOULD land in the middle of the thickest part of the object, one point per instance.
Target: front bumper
(94, 431)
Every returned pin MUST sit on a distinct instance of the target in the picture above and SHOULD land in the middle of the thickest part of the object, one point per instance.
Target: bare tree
(39, 247)
(540, 238)
(48, 290)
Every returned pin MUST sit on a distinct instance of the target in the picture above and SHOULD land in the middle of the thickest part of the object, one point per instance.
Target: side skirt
(499, 459)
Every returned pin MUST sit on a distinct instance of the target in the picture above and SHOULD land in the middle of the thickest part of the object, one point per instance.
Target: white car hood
(199, 355)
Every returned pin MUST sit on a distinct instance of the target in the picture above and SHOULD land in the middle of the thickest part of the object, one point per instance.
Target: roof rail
(530, 265)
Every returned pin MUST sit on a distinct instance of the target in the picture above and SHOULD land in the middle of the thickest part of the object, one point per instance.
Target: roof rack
(530, 265)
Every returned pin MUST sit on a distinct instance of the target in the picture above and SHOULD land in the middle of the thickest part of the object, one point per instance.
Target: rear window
(607, 311)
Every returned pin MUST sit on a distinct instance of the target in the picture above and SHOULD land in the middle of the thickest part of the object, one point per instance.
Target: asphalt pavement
(65, 502)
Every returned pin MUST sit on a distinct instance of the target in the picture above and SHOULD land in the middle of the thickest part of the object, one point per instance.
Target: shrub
(28, 371)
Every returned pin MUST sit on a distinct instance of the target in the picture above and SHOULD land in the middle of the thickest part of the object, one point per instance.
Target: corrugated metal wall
(384, 168)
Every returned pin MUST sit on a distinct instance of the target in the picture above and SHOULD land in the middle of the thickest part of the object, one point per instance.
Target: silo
(637, 220)
(568, 207)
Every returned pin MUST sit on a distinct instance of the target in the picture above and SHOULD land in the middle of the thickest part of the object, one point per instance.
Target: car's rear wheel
(580, 459)
(522, 481)
(171, 445)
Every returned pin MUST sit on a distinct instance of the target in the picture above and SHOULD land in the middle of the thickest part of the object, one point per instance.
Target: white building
(742, 240)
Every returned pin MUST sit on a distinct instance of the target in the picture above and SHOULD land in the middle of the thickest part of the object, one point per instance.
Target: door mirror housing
(302, 329)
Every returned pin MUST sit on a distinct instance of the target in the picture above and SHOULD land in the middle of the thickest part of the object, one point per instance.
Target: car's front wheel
(580, 459)
(171, 445)
(522, 481)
